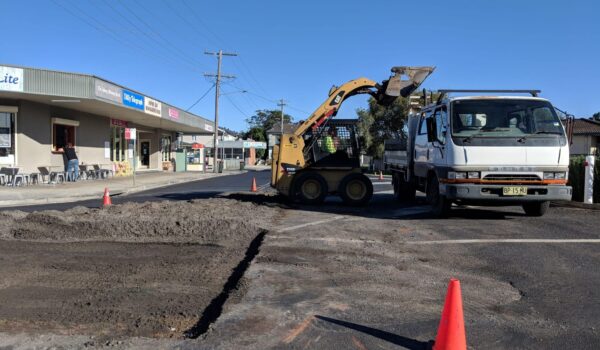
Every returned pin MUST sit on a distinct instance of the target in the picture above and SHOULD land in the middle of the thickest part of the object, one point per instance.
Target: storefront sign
(108, 91)
(152, 107)
(130, 133)
(119, 123)
(11, 79)
(133, 100)
(255, 144)
(173, 113)
(197, 146)
(208, 127)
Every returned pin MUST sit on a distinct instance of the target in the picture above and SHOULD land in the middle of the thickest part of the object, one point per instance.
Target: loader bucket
(413, 77)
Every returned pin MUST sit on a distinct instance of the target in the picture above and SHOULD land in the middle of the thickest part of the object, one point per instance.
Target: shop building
(109, 124)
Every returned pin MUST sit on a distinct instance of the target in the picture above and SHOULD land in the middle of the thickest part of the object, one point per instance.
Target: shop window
(7, 137)
(63, 133)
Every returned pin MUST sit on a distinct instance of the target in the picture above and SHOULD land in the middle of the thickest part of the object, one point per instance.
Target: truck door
(437, 148)
(420, 152)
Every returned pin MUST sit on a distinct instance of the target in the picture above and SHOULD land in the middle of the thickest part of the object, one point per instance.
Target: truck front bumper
(493, 193)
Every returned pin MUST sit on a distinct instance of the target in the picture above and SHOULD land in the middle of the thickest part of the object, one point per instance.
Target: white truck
(482, 150)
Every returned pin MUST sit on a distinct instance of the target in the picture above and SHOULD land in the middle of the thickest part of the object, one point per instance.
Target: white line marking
(509, 240)
(382, 183)
(290, 228)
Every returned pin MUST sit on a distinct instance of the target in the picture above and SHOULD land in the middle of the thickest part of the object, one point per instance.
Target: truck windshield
(504, 118)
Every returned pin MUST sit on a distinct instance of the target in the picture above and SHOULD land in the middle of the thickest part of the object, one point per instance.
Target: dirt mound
(207, 221)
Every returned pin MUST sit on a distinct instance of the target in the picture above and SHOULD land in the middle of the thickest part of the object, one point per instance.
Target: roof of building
(95, 95)
(586, 127)
(287, 128)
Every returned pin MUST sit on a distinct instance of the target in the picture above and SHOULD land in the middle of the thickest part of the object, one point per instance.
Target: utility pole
(281, 104)
(219, 55)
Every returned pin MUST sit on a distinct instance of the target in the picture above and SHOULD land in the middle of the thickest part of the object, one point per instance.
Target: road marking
(382, 183)
(290, 228)
(509, 240)
(262, 187)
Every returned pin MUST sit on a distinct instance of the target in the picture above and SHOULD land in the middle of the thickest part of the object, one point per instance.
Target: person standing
(72, 163)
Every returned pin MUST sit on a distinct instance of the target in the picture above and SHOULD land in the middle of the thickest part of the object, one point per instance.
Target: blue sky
(297, 49)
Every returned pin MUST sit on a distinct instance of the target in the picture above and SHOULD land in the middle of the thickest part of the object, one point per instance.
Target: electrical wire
(200, 99)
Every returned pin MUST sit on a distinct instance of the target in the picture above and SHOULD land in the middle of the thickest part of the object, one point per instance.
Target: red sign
(197, 146)
(173, 113)
(127, 134)
(118, 122)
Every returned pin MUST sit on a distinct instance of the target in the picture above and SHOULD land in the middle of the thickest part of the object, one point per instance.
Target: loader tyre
(356, 189)
(310, 188)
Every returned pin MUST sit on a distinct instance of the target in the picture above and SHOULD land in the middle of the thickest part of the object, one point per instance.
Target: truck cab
(487, 150)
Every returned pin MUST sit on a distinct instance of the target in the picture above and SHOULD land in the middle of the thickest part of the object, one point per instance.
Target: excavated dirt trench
(153, 270)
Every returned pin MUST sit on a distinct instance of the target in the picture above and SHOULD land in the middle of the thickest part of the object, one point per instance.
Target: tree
(596, 116)
(261, 122)
(378, 123)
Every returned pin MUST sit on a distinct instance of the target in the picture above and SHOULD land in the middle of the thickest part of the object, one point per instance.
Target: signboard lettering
(11, 79)
(208, 127)
(173, 113)
(119, 123)
(152, 107)
(108, 91)
(133, 100)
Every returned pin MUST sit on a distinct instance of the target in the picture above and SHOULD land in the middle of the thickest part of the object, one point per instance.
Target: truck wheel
(536, 208)
(356, 189)
(403, 190)
(310, 188)
(440, 205)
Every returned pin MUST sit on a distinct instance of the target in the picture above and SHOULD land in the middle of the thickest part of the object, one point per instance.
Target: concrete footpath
(94, 189)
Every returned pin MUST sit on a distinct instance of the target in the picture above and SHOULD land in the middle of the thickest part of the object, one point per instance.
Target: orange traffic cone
(380, 175)
(253, 188)
(106, 198)
(451, 332)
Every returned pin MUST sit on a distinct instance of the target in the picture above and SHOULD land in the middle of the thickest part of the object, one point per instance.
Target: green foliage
(260, 123)
(577, 178)
(596, 116)
(267, 118)
(378, 123)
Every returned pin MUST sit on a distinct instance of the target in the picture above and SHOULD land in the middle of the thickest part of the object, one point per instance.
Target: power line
(200, 99)
(81, 15)
(236, 106)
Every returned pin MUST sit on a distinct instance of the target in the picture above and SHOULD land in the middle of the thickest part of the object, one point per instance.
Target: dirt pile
(155, 269)
(208, 221)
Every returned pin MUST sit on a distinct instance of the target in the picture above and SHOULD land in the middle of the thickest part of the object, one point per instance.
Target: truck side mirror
(431, 130)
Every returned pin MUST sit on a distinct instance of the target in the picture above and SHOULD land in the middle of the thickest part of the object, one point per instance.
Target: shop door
(145, 153)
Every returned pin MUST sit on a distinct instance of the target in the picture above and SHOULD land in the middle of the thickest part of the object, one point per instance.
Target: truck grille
(512, 177)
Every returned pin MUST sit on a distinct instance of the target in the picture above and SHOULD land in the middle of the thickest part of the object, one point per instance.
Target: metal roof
(586, 127)
(92, 94)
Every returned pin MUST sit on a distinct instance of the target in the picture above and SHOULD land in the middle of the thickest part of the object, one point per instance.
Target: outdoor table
(50, 171)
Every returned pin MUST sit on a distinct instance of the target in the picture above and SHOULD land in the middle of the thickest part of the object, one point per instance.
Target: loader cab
(334, 145)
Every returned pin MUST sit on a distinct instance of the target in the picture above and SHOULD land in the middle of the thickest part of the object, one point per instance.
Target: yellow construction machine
(322, 156)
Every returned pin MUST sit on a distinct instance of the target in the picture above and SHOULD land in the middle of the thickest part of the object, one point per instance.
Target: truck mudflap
(507, 193)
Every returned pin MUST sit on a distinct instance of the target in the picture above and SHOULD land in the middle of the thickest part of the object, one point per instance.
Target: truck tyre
(440, 205)
(403, 191)
(356, 189)
(310, 188)
(536, 208)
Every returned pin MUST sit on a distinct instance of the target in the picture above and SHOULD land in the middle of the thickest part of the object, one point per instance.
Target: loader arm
(289, 155)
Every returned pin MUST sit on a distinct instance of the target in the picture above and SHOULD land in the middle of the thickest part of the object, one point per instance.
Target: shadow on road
(383, 206)
(408, 343)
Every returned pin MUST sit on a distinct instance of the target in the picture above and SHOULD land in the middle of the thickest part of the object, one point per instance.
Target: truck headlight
(560, 176)
(457, 175)
(473, 174)
(548, 176)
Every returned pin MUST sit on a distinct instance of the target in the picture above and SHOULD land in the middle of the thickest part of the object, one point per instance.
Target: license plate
(514, 191)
